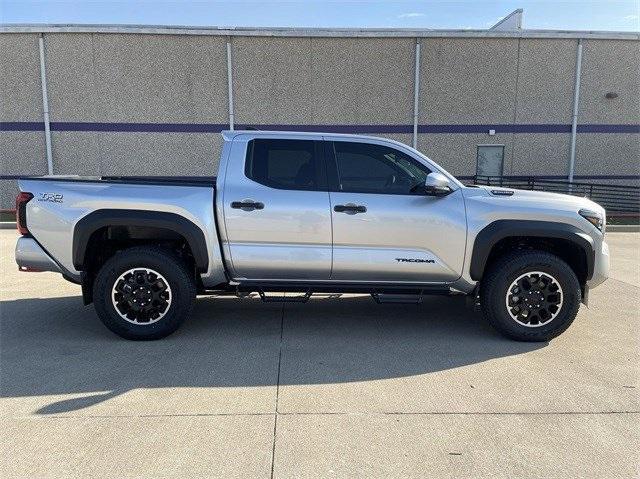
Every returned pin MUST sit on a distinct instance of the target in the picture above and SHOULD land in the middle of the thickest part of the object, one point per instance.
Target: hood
(541, 199)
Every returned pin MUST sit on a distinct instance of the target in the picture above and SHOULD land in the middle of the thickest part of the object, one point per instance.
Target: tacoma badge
(414, 260)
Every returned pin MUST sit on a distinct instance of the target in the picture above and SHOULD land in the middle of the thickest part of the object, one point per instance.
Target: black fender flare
(491, 234)
(125, 217)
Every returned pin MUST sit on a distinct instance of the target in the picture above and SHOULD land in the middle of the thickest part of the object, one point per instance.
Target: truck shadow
(56, 346)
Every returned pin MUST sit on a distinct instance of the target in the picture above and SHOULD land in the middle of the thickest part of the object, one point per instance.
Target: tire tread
(492, 299)
(184, 286)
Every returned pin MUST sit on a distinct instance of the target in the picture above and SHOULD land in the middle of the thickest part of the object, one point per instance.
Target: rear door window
(286, 164)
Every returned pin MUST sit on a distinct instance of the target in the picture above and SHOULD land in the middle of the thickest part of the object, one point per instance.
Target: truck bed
(61, 203)
(208, 181)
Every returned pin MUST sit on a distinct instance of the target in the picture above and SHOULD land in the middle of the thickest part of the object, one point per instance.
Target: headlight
(592, 217)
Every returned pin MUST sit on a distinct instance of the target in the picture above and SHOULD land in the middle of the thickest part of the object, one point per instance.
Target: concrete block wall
(125, 79)
(545, 87)
(466, 82)
(609, 67)
(21, 152)
(136, 104)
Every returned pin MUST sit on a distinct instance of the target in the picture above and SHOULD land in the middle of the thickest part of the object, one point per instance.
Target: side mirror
(437, 184)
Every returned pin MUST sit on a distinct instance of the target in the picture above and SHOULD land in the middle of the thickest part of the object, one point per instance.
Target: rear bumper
(31, 257)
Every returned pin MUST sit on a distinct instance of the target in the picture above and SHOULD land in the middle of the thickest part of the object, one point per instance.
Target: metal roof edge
(516, 16)
(313, 32)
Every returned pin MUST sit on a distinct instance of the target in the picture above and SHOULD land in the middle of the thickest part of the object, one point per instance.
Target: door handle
(350, 209)
(247, 205)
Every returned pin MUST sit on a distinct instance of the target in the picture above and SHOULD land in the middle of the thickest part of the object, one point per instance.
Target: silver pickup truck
(308, 213)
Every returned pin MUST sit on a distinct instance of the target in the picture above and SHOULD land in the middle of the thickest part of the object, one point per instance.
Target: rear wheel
(143, 293)
(530, 295)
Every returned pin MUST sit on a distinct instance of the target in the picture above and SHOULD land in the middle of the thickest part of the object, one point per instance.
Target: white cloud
(411, 15)
(631, 17)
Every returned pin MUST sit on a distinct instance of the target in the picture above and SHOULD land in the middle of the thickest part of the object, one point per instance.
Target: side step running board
(381, 293)
(385, 298)
(284, 299)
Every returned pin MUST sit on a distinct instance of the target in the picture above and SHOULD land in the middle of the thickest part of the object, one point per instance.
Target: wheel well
(134, 227)
(108, 240)
(570, 252)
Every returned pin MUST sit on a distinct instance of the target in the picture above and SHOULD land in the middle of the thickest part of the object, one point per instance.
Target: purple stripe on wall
(608, 128)
(517, 128)
(21, 126)
(398, 129)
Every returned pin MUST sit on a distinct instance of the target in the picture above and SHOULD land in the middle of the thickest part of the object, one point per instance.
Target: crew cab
(309, 213)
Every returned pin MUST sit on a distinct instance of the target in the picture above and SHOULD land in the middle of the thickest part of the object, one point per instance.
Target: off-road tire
(172, 269)
(503, 272)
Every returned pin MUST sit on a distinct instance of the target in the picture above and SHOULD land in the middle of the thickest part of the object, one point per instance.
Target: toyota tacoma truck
(313, 213)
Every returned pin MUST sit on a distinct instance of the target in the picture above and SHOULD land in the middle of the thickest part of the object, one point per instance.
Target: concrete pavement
(332, 388)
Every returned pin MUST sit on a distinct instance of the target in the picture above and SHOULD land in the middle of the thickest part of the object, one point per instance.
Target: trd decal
(51, 197)
(414, 260)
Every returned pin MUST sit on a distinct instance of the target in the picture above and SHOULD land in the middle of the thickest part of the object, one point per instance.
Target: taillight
(21, 211)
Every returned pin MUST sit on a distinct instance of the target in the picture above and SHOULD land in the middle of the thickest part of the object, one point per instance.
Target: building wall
(316, 81)
(135, 104)
(123, 79)
(612, 66)
(21, 152)
(545, 87)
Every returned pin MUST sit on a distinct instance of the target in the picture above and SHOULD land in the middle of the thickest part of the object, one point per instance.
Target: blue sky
(621, 15)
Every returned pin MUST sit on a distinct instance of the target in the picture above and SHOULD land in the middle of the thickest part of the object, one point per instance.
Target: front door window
(379, 169)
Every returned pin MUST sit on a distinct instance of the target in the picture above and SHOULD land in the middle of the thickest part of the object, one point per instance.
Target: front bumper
(600, 266)
(31, 257)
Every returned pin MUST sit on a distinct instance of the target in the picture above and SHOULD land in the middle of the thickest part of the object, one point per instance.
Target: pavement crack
(634, 286)
(145, 416)
(330, 413)
(470, 413)
(275, 416)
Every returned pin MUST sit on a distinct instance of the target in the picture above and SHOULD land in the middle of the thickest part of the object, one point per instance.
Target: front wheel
(530, 295)
(143, 293)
